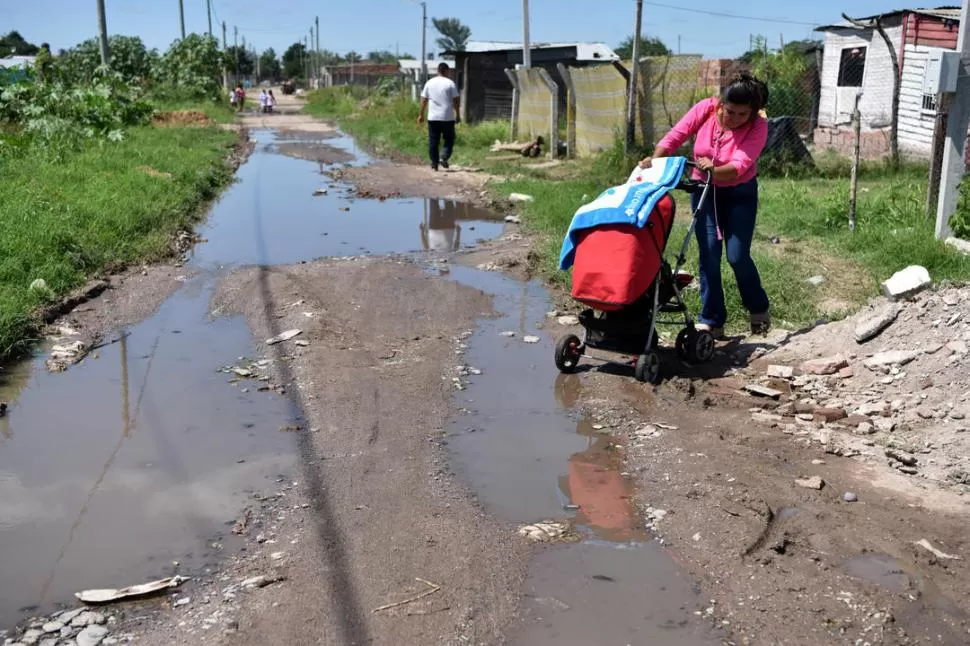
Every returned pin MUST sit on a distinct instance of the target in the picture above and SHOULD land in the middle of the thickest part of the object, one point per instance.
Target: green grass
(98, 209)
(808, 212)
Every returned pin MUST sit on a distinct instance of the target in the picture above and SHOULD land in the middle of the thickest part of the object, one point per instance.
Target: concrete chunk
(874, 325)
(815, 482)
(824, 366)
(906, 282)
(763, 391)
(890, 358)
(780, 372)
(960, 245)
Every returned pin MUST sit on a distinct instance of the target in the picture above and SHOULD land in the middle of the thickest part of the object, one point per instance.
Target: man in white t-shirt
(441, 102)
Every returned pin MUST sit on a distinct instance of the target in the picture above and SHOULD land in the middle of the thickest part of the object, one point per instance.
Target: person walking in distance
(441, 103)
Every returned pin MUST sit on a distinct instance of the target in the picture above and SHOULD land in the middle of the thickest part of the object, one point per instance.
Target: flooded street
(134, 464)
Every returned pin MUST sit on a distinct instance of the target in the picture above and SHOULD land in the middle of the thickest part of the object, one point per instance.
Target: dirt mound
(182, 118)
(900, 398)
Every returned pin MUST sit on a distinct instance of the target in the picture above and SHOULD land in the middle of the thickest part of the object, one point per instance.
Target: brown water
(528, 457)
(143, 456)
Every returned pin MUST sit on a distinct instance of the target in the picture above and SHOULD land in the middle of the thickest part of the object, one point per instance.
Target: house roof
(584, 51)
(16, 61)
(946, 13)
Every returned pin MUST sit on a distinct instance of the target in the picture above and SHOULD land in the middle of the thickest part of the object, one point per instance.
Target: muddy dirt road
(364, 480)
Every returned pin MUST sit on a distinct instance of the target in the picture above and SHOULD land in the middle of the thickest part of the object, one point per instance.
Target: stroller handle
(694, 185)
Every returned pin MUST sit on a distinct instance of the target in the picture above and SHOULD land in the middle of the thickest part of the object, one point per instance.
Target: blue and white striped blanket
(630, 203)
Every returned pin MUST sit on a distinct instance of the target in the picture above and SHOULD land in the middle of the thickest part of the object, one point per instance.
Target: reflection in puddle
(271, 216)
(529, 459)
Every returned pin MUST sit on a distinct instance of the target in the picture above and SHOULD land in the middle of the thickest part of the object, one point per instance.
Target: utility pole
(256, 56)
(235, 51)
(526, 45)
(182, 18)
(225, 75)
(954, 165)
(208, 9)
(312, 59)
(103, 33)
(424, 42)
(631, 105)
(317, 50)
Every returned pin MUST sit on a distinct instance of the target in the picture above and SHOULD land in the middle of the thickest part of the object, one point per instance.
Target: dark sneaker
(761, 323)
(434, 167)
(444, 164)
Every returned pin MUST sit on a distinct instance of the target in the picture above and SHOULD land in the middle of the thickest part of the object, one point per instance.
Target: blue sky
(366, 25)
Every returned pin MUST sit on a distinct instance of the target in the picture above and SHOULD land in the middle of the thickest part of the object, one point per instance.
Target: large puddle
(141, 456)
(529, 458)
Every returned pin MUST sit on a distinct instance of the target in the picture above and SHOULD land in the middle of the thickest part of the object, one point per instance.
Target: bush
(60, 116)
(194, 66)
(129, 58)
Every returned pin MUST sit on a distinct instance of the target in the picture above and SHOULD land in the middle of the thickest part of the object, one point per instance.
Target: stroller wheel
(702, 347)
(648, 368)
(568, 352)
(685, 341)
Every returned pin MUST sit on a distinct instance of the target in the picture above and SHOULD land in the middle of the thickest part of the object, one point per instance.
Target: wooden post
(464, 88)
(936, 162)
(854, 180)
(954, 164)
(571, 112)
(553, 111)
(516, 97)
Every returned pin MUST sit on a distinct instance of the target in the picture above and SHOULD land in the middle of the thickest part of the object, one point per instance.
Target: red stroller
(621, 274)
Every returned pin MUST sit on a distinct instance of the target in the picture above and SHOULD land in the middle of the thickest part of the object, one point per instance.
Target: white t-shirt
(440, 93)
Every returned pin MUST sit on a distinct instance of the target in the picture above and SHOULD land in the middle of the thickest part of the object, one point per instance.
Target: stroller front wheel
(702, 347)
(568, 352)
(647, 369)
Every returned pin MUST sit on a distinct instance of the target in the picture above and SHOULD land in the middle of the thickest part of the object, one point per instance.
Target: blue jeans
(436, 131)
(737, 210)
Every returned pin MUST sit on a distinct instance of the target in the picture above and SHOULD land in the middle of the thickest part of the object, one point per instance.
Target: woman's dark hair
(745, 89)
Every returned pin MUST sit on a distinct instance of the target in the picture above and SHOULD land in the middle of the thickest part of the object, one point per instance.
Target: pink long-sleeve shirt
(740, 147)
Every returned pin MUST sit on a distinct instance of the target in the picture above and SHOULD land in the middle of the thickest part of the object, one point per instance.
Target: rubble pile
(890, 384)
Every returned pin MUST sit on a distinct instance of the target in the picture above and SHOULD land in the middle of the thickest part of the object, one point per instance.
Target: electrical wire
(731, 15)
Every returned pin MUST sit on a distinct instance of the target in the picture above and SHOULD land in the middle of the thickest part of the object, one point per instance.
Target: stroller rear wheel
(647, 369)
(568, 352)
(695, 346)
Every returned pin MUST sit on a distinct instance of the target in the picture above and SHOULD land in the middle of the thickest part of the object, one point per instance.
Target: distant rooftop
(584, 51)
(16, 61)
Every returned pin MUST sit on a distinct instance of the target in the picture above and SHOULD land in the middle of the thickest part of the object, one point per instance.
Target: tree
(454, 35)
(13, 44)
(648, 47)
(240, 61)
(193, 65)
(293, 61)
(269, 65)
(353, 57)
(328, 57)
(382, 56)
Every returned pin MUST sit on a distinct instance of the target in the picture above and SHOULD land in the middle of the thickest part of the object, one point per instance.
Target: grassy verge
(809, 215)
(96, 209)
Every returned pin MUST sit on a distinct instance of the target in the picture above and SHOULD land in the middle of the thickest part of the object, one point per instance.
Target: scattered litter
(530, 339)
(696, 537)
(513, 219)
(547, 530)
(108, 595)
(320, 191)
(815, 482)
(433, 587)
(64, 355)
(285, 336)
(302, 343)
(39, 286)
(926, 545)
(568, 319)
(508, 334)
(816, 280)
(184, 601)
(666, 427)
(848, 496)
(763, 391)
(521, 197)
(261, 581)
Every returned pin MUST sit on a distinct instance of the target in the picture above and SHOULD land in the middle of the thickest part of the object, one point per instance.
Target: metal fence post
(516, 96)
(571, 115)
(553, 110)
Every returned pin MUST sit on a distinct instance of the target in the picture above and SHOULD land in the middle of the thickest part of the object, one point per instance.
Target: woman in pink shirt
(729, 134)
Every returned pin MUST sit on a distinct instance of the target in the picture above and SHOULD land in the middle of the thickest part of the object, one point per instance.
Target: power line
(731, 15)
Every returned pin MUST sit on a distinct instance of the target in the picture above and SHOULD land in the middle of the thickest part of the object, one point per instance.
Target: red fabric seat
(615, 264)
